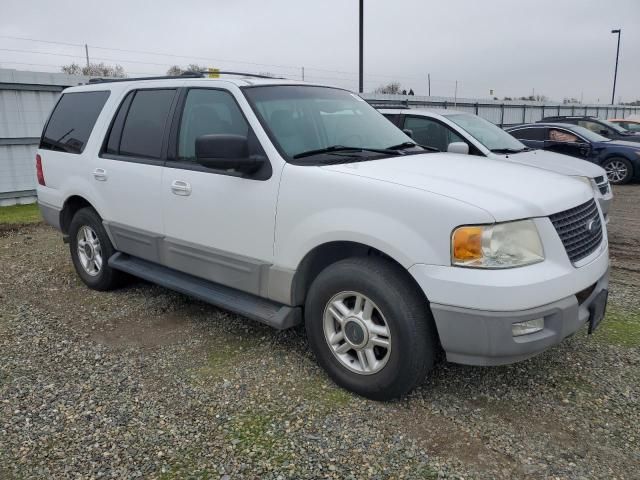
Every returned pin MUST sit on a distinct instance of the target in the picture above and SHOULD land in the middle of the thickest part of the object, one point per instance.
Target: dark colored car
(602, 127)
(620, 159)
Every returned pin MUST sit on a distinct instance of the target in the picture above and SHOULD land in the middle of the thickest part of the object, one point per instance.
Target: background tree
(176, 70)
(391, 87)
(95, 70)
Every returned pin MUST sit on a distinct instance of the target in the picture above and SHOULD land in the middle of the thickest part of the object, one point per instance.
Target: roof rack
(182, 75)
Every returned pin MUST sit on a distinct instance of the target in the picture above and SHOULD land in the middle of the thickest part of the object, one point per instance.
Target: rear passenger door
(128, 172)
(219, 225)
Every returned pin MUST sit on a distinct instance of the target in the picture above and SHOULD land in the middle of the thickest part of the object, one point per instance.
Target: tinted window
(528, 133)
(431, 133)
(72, 121)
(143, 129)
(113, 143)
(208, 112)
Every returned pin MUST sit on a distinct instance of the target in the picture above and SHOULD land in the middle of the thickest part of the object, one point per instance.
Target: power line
(186, 57)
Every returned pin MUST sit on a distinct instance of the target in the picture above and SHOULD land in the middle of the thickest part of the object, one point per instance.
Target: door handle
(180, 187)
(100, 174)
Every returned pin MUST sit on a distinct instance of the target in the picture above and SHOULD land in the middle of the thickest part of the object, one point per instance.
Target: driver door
(218, 225)
(568, 143)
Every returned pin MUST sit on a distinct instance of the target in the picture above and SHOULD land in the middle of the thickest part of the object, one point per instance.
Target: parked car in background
(461, 132)
(620, 159)
(628, 124)
(597, 125)
(386, 252)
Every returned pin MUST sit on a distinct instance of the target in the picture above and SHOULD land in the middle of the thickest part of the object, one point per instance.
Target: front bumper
(480, 337)
(605, 203)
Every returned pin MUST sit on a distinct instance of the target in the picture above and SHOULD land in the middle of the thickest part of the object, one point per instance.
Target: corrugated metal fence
(26, 99)
(504, 113)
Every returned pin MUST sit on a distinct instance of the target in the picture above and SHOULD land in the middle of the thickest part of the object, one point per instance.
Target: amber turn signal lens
(467, 243)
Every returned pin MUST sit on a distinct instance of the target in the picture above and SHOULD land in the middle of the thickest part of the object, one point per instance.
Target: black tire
(614, 174)
(414, 343)
(106, 277)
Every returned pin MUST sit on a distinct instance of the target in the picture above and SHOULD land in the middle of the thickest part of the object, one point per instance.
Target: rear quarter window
(73, 118)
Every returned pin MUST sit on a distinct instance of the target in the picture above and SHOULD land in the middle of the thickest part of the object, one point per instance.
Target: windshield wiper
(509, 150)
(405, 145)
(342, 148)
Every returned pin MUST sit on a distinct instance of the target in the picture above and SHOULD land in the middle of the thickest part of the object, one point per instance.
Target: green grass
(20, 214)
(620, 327)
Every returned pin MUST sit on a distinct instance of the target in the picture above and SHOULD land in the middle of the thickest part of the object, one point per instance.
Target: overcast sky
(560, 48)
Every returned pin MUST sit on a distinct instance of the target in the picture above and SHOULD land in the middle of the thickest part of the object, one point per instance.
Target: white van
(289, 202)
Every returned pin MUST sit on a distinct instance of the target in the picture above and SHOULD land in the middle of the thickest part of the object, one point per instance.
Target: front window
(427, 131)
(488, 134)
(307, 118)
(588, 134)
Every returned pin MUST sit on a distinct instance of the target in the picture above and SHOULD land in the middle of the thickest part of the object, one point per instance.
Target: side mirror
(408, 132)
(226, 152)
(604, 132)
(458, 147)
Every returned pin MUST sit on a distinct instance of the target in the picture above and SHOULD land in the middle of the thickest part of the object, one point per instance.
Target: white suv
(462, 132)
(288, 202)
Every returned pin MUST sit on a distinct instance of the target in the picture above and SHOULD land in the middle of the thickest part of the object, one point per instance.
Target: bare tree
(95, 70)
(176, 70)
(391, 87)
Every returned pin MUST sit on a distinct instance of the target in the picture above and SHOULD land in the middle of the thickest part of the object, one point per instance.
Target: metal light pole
(361, 87)
(615, 75)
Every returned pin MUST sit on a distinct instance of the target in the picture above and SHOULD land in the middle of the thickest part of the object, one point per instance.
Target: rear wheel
(90, 251)
(619, 170)
(370, 327)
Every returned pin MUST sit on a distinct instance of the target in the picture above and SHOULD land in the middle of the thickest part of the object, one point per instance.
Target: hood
(505, 190)
(555, 162)
(621, 143)
(631, 138)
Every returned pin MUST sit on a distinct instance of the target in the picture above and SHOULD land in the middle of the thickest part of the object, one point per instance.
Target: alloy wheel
(357, 332)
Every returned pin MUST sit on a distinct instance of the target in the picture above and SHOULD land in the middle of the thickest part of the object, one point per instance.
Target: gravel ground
(144, 382)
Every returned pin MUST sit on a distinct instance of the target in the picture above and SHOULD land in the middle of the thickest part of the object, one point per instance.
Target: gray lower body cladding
(477, 337)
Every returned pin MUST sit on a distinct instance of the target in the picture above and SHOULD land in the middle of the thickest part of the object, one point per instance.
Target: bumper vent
(580, 230)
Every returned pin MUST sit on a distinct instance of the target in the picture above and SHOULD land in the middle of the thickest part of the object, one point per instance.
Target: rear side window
(72, 121)
(529, 134)
(138, 127)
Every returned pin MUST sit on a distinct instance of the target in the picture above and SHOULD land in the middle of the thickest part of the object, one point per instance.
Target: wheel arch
(326, 254)
(71, 205)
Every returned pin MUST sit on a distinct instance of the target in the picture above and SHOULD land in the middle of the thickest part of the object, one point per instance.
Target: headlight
(586, 180)
(501, 245)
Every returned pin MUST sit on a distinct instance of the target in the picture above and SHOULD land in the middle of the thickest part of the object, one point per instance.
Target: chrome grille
(580, 230)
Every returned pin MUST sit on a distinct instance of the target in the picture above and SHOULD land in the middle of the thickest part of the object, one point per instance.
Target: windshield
(609, 124)
(488, 134)
(302, 119)
(588, 134)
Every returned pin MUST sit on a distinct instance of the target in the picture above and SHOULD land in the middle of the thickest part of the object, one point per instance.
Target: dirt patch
(135, 330)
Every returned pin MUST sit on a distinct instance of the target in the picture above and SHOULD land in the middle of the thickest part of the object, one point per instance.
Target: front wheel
(370, 327)
(619, 170)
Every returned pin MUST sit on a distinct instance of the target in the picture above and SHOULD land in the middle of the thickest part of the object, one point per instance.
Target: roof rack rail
(182, 75)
